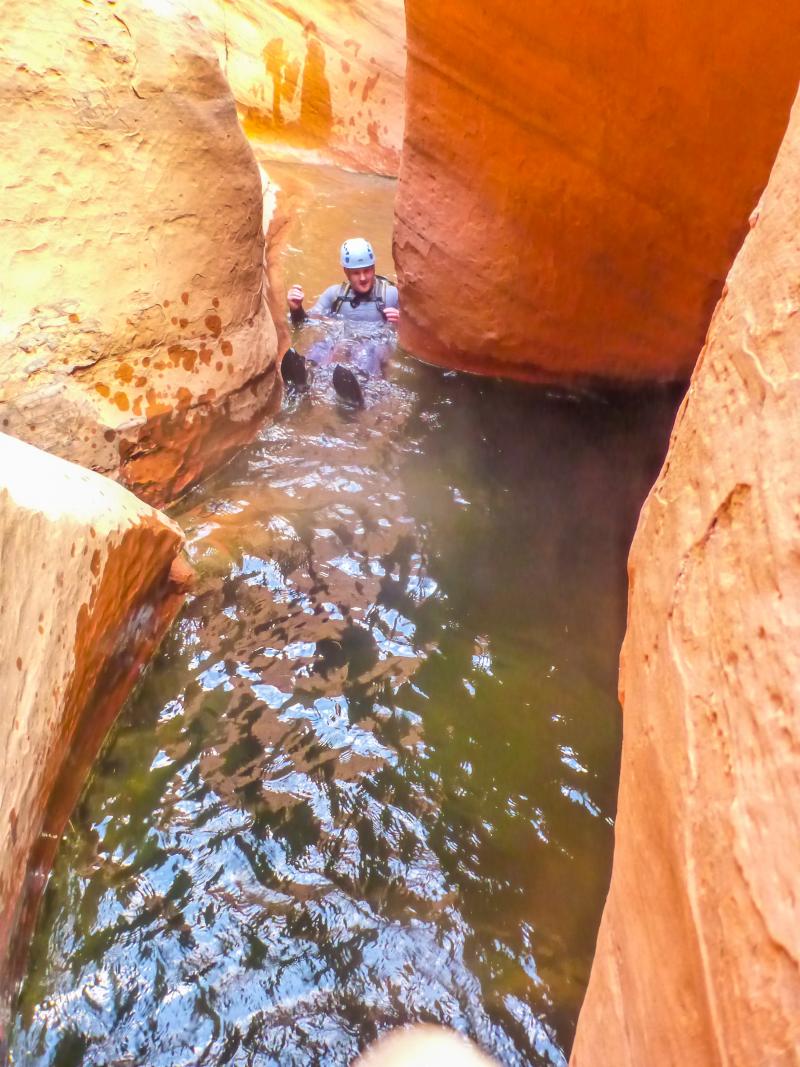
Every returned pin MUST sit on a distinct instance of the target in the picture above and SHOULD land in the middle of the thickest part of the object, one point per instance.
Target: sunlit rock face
(577, 179)
(698, 959)
(319, 80)
(134, 331)
(89, 581)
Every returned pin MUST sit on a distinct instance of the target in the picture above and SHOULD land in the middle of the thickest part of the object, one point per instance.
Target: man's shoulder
(325, 299)
(392, 296)
(330, 294)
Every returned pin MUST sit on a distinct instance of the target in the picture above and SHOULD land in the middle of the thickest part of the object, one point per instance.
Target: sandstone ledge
(90, 578)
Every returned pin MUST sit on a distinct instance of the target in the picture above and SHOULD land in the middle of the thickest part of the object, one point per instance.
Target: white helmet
(356, 253)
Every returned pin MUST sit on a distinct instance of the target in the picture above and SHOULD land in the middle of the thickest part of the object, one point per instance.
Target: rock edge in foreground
(90, 579)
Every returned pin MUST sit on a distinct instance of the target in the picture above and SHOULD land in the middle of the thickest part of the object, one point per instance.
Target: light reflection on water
(370, 777)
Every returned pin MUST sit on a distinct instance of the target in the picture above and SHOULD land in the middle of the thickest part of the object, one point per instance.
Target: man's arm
(295, 297)
(323, 306)
(391, 311)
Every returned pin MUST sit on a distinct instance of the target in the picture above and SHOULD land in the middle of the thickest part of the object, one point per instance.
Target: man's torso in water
(365, 309)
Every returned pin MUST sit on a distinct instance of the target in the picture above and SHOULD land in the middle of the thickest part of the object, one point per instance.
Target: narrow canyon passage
(371, 776)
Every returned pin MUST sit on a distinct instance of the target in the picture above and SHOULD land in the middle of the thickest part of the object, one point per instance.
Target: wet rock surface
(576, 183)
(89, 582)
(135, 336)
(697, 959)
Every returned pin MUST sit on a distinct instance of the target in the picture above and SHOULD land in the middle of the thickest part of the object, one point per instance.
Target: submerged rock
(135, 336)
(89, 580)
(576, 180)
(698, 958)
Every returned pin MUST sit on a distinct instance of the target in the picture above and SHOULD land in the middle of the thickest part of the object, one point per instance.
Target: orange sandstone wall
(135, 336)
(577, 177)
(320, 80)
(698, 958)
(89, 580)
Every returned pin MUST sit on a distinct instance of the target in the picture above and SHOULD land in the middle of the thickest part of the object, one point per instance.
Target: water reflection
(366, 347)
(371, 776)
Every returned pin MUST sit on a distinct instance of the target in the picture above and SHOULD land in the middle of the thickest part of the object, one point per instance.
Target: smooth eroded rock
(577, 178)
(89, 580)
(135, 336)
(698, 958)
(423, 1046)
(321, 81)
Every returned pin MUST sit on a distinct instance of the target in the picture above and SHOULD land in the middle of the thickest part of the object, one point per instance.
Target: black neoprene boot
(294, 370)
(346, 385)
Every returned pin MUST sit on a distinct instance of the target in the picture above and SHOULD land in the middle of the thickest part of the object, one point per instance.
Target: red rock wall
(319, 80)
(90, 578)
(698, 958)
(135, 336)
(577, 177)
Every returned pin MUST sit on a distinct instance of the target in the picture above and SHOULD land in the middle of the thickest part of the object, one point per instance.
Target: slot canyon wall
(320, 81)
(135, 336)
(698, 958)
(575, 184)
(89, 581)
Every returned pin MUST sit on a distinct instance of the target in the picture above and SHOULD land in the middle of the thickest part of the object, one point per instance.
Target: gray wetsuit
(356, 308)
(368, 352)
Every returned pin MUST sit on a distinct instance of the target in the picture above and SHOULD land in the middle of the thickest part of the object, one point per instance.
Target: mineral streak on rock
(132, 219)
(321, 81)
(698, 958)
(90, 578)
(576, 180)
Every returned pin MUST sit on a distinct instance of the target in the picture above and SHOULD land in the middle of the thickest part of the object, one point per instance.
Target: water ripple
(370, 777)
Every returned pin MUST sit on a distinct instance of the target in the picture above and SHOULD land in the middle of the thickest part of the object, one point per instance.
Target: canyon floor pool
(370, 777)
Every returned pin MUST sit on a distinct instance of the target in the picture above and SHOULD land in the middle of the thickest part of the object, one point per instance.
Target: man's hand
(296, 296)
(392, 315)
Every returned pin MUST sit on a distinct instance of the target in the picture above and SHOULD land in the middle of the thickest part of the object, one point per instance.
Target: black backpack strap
(341, 296)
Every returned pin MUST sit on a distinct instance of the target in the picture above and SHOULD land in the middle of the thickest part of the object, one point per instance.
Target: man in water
(363, 298)
(360, 298)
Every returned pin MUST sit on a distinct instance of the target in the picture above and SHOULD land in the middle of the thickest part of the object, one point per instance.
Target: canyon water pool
(370, 777)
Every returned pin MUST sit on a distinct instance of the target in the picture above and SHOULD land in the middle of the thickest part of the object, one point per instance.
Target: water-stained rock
(89, 580)
(318, 81)
(134, 331)
(577, 179)
(698, 958)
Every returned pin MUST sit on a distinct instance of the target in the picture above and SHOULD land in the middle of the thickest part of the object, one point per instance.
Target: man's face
(361, 280)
